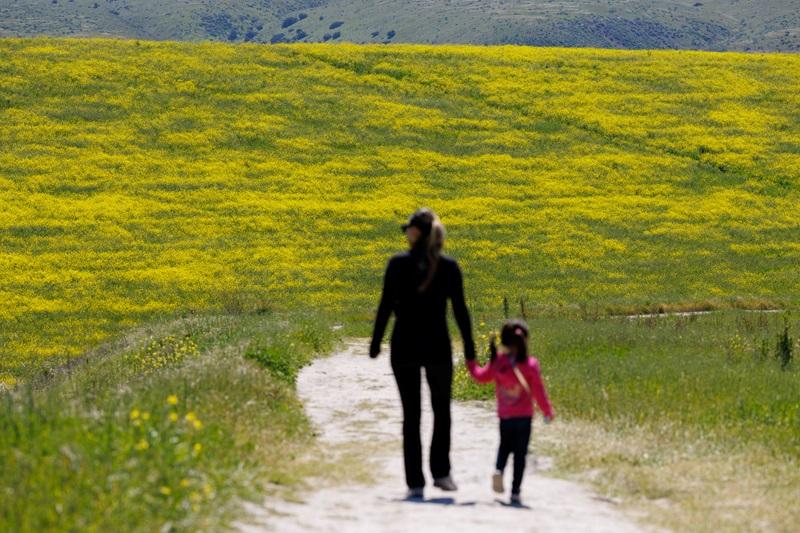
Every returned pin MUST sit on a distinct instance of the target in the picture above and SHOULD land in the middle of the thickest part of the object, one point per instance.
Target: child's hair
(515, 333)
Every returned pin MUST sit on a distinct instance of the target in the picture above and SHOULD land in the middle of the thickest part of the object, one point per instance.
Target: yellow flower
(134, 414)
(173, 416)
(166, 491)
(184, 483)
(142, 445)
(172, 399)
(190, 417)
(197, 448)
(145, 415)
(197, 424)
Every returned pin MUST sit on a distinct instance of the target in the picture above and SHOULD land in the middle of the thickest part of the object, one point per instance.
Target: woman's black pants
(440, 381)
(515, 434)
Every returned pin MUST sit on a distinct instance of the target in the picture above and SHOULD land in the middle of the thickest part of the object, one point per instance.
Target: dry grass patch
(679, 479)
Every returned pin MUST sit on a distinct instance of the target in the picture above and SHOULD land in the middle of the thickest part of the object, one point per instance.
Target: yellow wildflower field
(139, 179)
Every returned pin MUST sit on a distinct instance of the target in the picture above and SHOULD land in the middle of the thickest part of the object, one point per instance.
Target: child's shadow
(513, 505)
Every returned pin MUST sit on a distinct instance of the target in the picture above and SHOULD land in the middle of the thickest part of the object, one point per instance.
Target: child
(518, 382)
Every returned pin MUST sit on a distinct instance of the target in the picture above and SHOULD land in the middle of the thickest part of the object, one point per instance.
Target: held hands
(548, 419)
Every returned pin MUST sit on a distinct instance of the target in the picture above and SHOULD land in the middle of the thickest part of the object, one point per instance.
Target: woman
(416, 287)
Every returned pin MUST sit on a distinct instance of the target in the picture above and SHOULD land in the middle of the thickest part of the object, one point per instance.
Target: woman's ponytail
(433, 245)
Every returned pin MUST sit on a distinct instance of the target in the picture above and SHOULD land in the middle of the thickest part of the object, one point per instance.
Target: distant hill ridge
(768, 25)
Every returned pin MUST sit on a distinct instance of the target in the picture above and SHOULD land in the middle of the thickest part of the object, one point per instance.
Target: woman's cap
(422, 219)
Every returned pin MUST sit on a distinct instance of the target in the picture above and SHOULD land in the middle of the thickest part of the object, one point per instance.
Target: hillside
(772, 25)
(185, 226)
(143, 179)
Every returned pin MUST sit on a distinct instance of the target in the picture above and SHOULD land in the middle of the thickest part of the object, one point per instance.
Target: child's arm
(539, 394)
(481, 374)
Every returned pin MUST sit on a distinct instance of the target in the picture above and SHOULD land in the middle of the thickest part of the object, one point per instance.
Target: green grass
(167, 429)
(149, 180)
(715, 373)
(691, 422)
(144, 179)
(675, 477)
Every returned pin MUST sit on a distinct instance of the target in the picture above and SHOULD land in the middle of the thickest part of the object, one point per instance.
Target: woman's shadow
(444, 500)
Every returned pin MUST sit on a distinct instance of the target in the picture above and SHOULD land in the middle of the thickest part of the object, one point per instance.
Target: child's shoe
(445, 483)
(516, 500)
(497, 482)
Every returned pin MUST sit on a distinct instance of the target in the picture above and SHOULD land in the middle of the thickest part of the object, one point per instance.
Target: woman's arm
(461, 312)
(385, 309)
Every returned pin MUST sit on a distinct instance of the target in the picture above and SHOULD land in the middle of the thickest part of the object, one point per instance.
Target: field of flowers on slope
(139, 179)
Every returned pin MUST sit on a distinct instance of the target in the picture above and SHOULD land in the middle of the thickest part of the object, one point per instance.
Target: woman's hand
(374, 349)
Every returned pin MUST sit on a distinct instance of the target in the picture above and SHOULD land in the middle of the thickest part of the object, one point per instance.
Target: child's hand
(548, 419)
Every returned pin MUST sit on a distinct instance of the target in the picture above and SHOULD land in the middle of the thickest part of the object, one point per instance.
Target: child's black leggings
(515, 434)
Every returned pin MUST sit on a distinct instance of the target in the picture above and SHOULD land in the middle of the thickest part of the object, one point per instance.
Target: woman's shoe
(416, 493)
(445, 483)
(516, 500)
(497, 482)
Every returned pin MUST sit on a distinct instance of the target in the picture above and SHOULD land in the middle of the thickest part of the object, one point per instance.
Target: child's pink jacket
(512, 400)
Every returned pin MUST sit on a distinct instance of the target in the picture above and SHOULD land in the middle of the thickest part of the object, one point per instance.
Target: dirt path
(354, 403)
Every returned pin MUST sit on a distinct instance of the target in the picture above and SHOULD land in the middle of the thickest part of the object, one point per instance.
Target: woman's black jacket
(420, 335)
